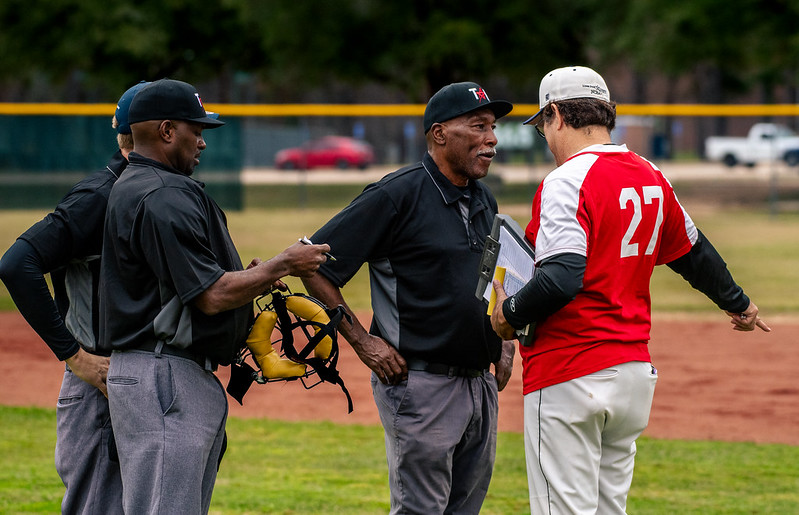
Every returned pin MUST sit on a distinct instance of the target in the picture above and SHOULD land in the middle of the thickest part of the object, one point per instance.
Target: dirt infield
(714, 383)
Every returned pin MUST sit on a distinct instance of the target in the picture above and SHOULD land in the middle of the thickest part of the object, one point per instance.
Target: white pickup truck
(765, 142)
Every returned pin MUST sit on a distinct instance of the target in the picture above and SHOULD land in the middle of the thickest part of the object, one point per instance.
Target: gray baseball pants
(92, 480)
(169, 419)
(441, 435)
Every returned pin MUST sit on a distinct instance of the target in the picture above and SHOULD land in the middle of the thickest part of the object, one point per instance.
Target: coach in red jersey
(601, 221)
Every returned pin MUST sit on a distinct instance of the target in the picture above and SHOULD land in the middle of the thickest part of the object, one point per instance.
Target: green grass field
(288, 468)
(320, 468)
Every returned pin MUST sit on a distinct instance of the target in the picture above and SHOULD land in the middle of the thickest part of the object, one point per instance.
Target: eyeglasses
(539, 127)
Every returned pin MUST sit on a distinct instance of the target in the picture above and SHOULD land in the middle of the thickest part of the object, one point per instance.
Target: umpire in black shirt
(421, 229)
(66, 244)
(175, 303)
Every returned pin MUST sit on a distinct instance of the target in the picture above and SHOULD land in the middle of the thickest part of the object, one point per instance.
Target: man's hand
(90, 368)
(504, 367)
(380, 356)
(304, 260)
(747, 320)
(501, 326)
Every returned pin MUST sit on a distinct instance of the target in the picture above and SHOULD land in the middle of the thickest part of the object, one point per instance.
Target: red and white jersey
(619, 211)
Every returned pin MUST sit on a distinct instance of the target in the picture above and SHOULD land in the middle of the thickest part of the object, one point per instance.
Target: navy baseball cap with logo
(460, 98)
(123, 105)
(169, 99)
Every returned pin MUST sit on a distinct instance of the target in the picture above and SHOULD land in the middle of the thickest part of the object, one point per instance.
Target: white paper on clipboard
(508, 251)
(517, 261)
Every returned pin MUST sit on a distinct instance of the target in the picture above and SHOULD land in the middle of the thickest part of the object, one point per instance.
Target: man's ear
(439, 133)
(557, 118)
(166, 130)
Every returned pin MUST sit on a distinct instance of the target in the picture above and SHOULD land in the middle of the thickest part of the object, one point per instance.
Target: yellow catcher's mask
(293, 315)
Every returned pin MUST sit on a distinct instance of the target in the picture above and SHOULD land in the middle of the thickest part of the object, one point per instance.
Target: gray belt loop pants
(169, 419)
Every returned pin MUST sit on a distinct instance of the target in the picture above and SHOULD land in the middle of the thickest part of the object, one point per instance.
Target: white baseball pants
(580, 439)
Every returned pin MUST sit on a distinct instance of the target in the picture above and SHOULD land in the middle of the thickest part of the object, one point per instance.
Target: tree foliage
(81, 50)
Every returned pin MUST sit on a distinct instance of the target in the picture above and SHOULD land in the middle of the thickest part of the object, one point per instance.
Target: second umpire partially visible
(66, 244)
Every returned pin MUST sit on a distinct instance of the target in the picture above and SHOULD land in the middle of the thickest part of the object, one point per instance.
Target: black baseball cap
(460, 98)
(168, 99)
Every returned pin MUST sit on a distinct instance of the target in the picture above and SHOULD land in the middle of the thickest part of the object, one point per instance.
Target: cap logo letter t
(199, 100)
(479, 94)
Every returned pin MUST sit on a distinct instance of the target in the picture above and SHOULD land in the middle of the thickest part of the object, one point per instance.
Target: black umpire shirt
(66, 244)
(423, 238)
(166, 241)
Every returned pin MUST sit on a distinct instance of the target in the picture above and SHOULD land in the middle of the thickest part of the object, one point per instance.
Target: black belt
(442, 369)
(171, 350)
(97, 352)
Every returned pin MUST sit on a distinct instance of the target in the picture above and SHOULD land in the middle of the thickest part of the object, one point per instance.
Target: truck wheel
(792, 158)
(729, 160)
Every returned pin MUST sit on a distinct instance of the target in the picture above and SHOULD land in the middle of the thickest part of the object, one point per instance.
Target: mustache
(491, 152)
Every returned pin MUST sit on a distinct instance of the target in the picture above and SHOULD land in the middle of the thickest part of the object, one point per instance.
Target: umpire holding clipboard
(422, 229)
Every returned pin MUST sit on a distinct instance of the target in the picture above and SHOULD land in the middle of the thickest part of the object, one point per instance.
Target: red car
(330, 151)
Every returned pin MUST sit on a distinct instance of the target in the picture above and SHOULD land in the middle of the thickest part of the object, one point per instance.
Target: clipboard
(507, 256)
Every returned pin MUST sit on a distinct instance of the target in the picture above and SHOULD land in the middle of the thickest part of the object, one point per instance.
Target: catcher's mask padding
(295, 363)
(260, 344)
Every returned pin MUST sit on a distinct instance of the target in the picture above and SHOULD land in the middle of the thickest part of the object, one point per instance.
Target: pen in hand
(305, 241)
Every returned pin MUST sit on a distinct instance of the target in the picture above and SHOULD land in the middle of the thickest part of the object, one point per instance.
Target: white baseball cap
(570, 82)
